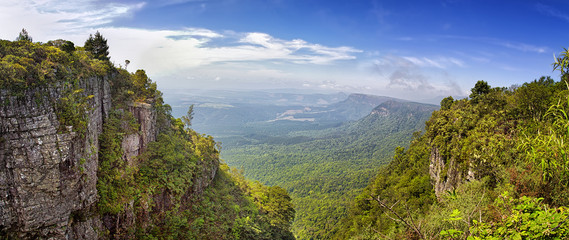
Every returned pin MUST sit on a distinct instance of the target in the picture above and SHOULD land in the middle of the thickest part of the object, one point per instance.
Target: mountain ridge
(332, 163)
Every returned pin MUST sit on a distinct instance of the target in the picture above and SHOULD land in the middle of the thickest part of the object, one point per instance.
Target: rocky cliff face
(445, 174)
(48, 172)
(135, 144)
(47, 176)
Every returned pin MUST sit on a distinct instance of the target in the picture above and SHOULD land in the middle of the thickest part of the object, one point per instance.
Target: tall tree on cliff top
(24, 36)
(97, 45)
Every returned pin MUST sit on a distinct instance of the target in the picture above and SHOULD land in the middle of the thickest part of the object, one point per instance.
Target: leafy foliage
(66, 46)
(97, 45)
(501, 140)
(71, 109)
(228, 209)
(162, 188)
(115, 179)
(480, 89)
(25, 65)
(404, 184)
(24, 36)
(523, 218)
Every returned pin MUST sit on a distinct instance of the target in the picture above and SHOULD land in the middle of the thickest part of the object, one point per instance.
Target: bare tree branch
(382, 235)
(401, 219)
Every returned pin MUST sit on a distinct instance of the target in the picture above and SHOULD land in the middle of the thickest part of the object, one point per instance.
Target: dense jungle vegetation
(507, 148)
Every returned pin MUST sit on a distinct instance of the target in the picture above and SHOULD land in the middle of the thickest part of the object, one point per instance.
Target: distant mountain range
(226, 114)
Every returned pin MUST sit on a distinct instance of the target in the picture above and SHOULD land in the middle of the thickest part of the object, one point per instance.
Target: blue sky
(409, 49)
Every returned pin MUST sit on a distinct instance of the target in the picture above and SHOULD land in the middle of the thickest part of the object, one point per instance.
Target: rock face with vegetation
(90, 151)
(48, 162)
(493, 166)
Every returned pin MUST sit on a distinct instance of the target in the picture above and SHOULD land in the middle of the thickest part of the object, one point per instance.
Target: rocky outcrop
(48, 175)
(48, 172)
(132, 145)
(445, 173)
(135, 144)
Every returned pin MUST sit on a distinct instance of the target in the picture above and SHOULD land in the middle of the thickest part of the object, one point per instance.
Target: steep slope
(355, 107)
(483, 169)
(90, 151)
(48, 155)
(322, 172)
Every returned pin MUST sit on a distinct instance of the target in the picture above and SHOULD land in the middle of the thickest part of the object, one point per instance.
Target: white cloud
(524, 47)
(201, 32)
(550, 11)
(50, 19)
(158, 51)
(200, 58)
(273, 48)
(439, 62)
(413, 75)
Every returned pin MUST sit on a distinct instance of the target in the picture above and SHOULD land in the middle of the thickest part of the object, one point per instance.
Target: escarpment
(91, 151)
(51, 123)
(48, 172)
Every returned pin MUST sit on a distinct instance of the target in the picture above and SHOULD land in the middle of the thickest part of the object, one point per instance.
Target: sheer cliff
(48, 172)
(91, 151)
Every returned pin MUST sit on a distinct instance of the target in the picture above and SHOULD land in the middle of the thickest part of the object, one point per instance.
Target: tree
(535, 98)
(446, 103)
(144, 88)
(480, 88)
(189, 116)
(97, 45)
(64, 45)
(24, 36)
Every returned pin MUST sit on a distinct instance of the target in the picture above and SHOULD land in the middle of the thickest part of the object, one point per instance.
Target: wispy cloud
(45, 17)
(177, 48)
(439, 62)
(410, 74)
(175, 2)
(550, 11)
(197, 33)
(267, 47)
(408, 79)
(165, 51)
(524, 47)
(520, 46)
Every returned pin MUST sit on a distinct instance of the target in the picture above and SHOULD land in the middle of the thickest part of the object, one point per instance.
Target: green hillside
(494, 166)
(322, 169)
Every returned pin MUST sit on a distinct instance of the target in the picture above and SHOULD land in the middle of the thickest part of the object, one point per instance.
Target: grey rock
(45, 174)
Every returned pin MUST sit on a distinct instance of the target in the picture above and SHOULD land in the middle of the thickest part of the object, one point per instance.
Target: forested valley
(493, 165)
(116, 164)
